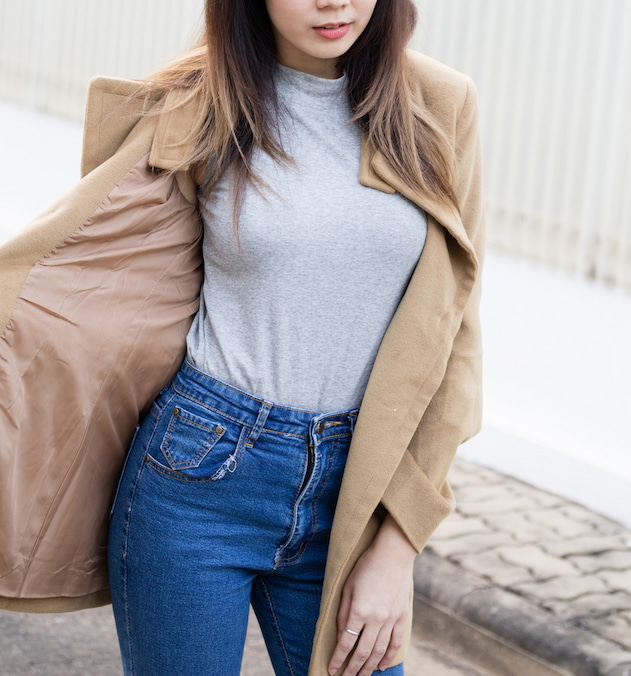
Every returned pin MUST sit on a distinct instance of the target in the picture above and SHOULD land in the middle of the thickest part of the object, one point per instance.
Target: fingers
(346, 640)
(396, 641)
(372, 617)
(343, 613)
(370, 649)
(374, 648)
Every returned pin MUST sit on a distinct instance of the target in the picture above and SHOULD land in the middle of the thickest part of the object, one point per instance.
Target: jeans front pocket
(197, 444)
(189, 438)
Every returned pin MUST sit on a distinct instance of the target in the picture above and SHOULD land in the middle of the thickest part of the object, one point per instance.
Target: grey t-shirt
(295, 311)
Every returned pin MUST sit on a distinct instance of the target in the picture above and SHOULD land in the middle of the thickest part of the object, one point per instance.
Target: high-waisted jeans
(225, 500)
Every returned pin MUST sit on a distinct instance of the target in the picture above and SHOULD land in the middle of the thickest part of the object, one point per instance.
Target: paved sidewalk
(84, 644)
(538, 571)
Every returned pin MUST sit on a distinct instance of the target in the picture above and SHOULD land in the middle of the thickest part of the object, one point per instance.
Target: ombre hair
(231, 71)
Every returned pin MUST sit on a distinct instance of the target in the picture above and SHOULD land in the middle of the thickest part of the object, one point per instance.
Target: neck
(289, 56)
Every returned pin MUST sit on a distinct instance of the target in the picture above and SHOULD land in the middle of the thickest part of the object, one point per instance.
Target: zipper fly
(309, 470)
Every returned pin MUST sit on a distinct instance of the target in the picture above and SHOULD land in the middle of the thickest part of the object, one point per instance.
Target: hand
(375, 604)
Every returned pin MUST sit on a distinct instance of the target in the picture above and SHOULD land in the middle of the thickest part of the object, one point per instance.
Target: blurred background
(554, 82)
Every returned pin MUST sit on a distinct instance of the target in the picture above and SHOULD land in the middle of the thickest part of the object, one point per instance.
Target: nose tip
(335, 4)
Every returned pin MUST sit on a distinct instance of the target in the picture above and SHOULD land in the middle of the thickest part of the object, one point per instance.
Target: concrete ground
(84, 644)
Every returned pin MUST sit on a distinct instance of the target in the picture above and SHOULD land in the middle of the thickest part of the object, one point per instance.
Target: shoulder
(114, 108)
(444, 92)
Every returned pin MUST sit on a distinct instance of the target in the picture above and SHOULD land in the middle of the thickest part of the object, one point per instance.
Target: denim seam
(210, 408)
(218, 411)
(126, 542)
(304, 436)
(243, 392)
(204, 404)
(232, 418)
(125, 587)
(294, 509)
(284, 434)
(276, 625)
(125, 462)
(160, 411)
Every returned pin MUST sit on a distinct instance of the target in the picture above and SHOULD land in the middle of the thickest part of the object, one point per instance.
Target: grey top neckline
(312, 85)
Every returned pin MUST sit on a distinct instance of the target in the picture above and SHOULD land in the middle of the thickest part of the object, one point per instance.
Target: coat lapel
(413, 354)
(375, 172)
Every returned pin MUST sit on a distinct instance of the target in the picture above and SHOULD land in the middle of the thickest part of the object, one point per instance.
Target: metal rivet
(320, 427)
(219, 429)
(176, 411)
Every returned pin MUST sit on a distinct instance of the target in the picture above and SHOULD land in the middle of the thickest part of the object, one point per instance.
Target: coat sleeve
(454, 413)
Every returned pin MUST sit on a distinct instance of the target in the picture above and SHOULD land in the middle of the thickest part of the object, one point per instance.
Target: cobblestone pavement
(539, 571)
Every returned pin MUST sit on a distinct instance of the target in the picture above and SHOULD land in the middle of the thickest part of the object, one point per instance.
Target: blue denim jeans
(225, 500)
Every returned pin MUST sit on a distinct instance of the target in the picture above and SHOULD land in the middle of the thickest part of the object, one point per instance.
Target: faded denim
(225, 500)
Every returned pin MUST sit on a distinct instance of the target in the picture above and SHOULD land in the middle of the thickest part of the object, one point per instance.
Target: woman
(233, 480)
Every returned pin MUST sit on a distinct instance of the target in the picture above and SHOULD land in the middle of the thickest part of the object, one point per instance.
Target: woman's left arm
(376, 595)
(375, 604)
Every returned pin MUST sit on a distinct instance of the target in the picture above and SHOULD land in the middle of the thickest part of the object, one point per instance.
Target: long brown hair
(231, 71)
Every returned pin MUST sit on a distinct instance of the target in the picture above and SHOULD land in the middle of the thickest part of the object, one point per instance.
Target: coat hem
(59, 604)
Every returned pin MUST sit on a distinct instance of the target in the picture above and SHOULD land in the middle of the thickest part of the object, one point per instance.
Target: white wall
(554, 78)
(49, 49)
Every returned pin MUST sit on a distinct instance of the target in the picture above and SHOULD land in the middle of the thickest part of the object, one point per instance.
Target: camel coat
(96, 298)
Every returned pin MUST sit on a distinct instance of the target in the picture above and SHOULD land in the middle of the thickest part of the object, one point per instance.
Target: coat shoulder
(115, 106)
(441, 89)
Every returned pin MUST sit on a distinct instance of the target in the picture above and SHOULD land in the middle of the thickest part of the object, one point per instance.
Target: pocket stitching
(195, 461)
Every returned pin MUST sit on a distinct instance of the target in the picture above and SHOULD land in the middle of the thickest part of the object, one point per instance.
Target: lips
(332, 31)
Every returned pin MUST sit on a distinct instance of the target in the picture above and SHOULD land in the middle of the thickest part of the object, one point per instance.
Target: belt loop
(314, 432)
(353, 418)
(266, 407)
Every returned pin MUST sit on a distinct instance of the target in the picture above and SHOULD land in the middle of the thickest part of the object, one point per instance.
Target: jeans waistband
(260, 414)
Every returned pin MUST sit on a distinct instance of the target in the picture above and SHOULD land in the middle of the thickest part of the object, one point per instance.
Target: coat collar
(175, 139)
(174, 142)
